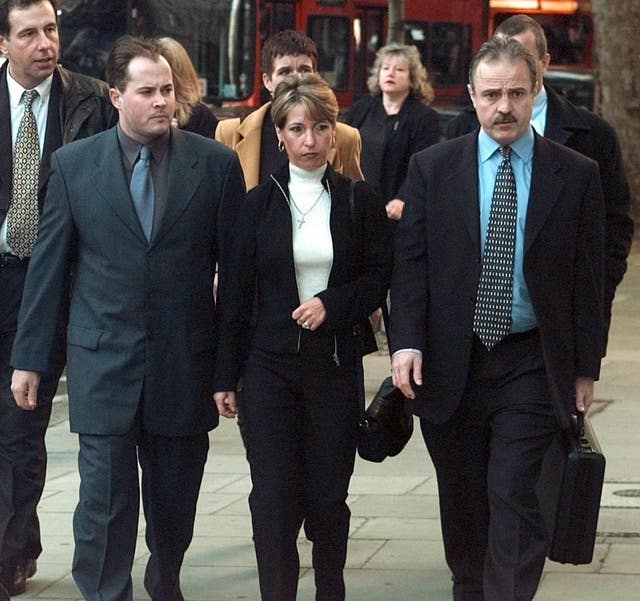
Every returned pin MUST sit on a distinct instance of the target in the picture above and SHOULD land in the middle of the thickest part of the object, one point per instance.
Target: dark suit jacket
(437, 268)
(417, 127)
(142, 321)
(590, 135)
(264, 260)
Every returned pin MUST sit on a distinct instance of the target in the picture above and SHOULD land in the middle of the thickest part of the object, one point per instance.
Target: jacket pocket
(85, 337)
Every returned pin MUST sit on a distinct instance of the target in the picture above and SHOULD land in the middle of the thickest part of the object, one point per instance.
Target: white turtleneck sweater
(310, 206)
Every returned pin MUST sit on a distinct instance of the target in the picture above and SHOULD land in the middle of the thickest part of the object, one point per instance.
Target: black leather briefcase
(569, 490)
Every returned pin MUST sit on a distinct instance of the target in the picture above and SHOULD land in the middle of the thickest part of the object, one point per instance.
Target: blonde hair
(308, 89)
(185, 78)
(418, 76)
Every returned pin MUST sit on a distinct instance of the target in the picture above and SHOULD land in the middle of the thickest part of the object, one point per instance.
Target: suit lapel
(110, 183)
(5, 142)
(182, 181)
(461, 187)
(546, 184)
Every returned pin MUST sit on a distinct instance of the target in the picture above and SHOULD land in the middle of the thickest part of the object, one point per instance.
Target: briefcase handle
(580, 424)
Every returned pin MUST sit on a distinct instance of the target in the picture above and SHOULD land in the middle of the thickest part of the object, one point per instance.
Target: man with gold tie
(42, 107)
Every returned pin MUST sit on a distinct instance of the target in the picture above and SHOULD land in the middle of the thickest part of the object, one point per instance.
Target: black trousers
(23, 455)
(105, 523)
(298, 417)
(487, 459)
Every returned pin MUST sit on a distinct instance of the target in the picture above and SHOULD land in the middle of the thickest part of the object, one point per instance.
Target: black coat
(590, 135)
(416, 128)
(437, 269)
(264, 270)
(81, 108)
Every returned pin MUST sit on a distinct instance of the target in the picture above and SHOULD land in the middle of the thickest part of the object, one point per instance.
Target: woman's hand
(226, 403)
(394, 209)
(310, 314)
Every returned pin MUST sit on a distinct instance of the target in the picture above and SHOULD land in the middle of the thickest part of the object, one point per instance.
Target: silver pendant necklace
(301, 220)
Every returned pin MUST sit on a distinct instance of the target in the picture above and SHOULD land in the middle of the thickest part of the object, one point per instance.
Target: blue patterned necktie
(492, 319)
(142, 190)
(22, 217)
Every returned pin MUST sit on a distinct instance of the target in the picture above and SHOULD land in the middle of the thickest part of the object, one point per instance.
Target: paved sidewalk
(395, 551)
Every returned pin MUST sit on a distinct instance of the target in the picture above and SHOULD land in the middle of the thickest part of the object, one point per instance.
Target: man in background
(255, 140)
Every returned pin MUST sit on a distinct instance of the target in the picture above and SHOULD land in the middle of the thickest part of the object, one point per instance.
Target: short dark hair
(6, 6)
(123, 51)
(517, 24)
(502, 47)
(287, 42)
(309, 90)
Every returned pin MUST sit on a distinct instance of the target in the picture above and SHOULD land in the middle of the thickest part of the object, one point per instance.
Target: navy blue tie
(142, 191)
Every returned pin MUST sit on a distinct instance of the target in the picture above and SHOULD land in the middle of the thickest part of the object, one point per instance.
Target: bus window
(447, 54)
(369, 35)
(87, 30)
(219, 37)
(332, 36)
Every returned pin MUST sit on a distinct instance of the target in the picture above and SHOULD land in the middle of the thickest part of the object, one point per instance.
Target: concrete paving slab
(402, 506)
(408, 555)
(622, 559)
(589, 587)
(399, 529)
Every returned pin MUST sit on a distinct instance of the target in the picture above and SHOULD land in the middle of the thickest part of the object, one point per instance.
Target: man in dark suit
(140, 214)
(586, 133)
(497, 320)
(62, 107)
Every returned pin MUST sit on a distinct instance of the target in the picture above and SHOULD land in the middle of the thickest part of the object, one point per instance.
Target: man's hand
(310, 314)
(405, 366)
(24, 385)
(226, 403)
(584, 394)
(394, 209)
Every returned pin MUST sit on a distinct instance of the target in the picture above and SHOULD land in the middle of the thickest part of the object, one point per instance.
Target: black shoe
(19, 584)
(4, 593)
(30, 567)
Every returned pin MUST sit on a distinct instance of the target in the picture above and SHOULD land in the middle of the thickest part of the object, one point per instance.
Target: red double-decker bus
(224, 37)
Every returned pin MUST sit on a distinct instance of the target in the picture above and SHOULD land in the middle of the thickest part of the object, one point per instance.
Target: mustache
(504, 119)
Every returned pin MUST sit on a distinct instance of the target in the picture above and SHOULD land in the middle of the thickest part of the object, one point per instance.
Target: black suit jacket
(416, 127)
(590, 135)
(142, 322)
(264, 270)
(437, 268)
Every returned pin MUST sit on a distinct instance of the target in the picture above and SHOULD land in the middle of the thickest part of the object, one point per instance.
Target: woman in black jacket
(309, 270)
(395, 121)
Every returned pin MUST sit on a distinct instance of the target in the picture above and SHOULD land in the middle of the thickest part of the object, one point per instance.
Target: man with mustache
(139, 214)
(42, 107)
(583, 131)
(496, 297)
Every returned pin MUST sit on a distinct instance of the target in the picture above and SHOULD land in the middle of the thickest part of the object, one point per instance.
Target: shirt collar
(540, 103)
(131, 148)
(523, 146)
(16, 90)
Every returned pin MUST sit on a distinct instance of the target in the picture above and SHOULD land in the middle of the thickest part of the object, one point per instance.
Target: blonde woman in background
(395, 121)
(191, 113)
